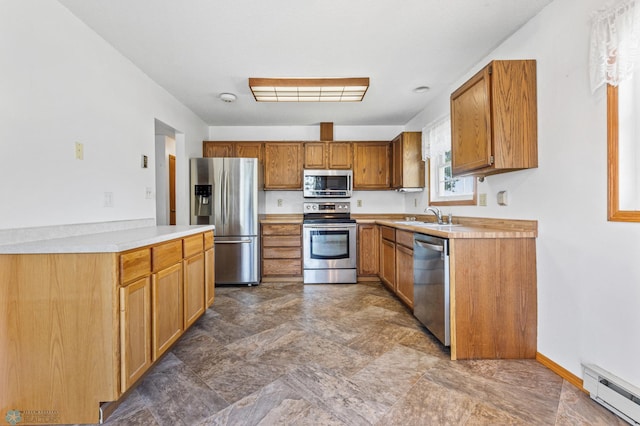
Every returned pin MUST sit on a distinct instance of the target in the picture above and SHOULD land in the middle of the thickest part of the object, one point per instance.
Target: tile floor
(291, 354)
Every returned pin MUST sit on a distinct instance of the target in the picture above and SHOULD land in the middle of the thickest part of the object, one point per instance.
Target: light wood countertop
(464, 227)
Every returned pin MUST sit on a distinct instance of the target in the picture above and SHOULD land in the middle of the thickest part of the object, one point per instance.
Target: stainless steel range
(329, 243)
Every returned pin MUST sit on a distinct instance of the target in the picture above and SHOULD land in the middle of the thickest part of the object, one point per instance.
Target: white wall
(61, 83)
(588, 269)
(372, 201)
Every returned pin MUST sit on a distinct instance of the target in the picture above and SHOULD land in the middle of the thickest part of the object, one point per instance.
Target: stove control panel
(327, 207)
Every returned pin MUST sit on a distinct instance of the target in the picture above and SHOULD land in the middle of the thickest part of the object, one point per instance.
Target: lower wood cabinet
(194, 288)
(404, 267)
(493, 298)
(135, 331)
(281, 250)
(368, 250)
(388, 257)
(167, 317)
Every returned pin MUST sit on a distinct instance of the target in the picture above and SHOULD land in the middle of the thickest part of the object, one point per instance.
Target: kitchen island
(84, 317)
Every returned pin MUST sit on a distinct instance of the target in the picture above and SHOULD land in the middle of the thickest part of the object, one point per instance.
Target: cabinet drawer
(281, 229)
(405, 238)
(208, 240)
(281, 241)
(282, 267)
(165, 255)
(388, 233)
(193, 245)
(134, 264)
(281, 253)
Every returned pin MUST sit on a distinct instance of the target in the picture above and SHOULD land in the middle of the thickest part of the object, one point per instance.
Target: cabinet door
(371, 165)
(217, 149)
(396, 164)
(135, 331)
(368, 249)
(283, 165)
(315, 155)
(340, 155)
(470, 124)
(404, 274)
(388, 263)
(249, 150)
(167, 319)
(194, 289)
(209, 277)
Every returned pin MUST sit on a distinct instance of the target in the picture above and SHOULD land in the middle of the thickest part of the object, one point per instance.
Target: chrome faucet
(437, 212)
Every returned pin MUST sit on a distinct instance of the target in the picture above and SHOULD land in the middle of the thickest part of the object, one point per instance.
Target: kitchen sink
(438, 226)
(428, 224)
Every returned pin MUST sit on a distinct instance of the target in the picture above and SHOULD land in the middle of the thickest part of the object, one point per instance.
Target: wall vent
(613, 393)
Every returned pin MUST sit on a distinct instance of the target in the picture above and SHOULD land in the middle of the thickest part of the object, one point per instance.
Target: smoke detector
(227, 97)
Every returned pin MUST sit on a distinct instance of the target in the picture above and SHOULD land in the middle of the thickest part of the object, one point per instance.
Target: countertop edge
(106, 242)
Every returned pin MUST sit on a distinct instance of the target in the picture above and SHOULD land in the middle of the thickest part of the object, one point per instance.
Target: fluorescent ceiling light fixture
(309, 89)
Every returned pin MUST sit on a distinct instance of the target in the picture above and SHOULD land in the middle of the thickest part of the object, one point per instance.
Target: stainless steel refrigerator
(225, 193)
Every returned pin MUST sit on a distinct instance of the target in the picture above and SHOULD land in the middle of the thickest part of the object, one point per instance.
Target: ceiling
(197, 49)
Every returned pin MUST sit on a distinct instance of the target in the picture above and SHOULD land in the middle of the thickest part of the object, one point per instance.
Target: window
(444, 189)
(614, 60)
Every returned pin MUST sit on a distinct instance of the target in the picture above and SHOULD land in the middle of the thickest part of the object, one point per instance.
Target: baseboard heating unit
(613, 393)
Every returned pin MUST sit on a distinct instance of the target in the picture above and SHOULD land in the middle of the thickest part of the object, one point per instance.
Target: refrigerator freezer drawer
(237, 260)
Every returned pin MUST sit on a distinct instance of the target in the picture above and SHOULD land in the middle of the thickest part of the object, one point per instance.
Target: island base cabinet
(194, 289)
(58, 345)
(167, 308)
(493, 298)
(135, 331)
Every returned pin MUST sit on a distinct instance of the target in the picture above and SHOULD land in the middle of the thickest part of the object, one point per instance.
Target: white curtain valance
(436, 138)
(615, 43)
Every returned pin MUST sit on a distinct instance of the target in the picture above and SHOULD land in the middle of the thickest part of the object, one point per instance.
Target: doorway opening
(165, 150)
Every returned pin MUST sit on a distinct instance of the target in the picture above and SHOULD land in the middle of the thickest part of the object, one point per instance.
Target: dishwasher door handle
(430, 246)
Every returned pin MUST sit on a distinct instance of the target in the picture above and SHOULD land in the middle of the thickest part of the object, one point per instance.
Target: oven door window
(329, 245)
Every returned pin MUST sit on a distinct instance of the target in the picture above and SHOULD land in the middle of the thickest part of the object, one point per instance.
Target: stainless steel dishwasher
(431, 284)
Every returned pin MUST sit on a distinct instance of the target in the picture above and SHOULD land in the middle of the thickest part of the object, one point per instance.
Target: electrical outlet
(79, 151)
(148, 193)
(502, 198)
(415, 202)
(279, 202)
(108, 199)
(359, 203)
(482, 199)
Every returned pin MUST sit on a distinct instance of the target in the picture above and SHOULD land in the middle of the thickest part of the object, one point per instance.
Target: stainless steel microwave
(327, 183)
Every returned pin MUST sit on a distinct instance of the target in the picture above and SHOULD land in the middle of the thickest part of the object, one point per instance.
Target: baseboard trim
(561, 371)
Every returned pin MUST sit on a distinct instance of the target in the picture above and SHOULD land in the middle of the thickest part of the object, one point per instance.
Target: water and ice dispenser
(202, 200)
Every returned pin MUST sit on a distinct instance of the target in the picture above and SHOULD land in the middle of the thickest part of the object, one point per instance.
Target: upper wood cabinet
(283, 165)
(407, 164)
(217, 149)
(233, 149)
(494, 120)
(328, 155)
(371, 165)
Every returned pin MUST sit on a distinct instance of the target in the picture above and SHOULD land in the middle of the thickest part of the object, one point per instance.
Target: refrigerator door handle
(223, 198)
(234, 242)
(226, 194)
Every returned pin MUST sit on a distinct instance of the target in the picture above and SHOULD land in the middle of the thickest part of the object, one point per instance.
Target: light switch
(79, 151)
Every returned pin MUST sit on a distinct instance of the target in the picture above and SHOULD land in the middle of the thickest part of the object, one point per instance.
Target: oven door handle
(329, 227)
